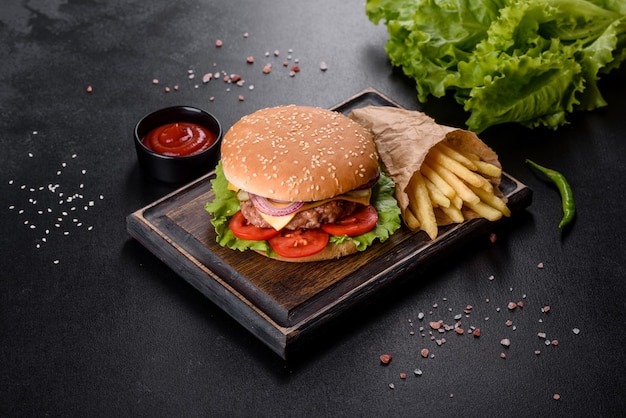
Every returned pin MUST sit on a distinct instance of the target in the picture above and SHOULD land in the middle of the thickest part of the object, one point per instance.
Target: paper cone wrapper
(404, 137)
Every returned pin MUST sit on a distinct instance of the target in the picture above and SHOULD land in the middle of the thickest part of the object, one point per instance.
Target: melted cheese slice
(279, 222)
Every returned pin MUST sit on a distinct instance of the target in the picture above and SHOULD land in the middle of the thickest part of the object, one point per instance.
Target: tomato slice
(360, 222)
(242, 229)
(299, 242)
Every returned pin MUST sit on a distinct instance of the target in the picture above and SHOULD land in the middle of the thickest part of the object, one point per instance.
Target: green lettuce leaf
(526, 61)
(225, 205)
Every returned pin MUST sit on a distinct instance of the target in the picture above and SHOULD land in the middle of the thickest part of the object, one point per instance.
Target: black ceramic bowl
(174, 169)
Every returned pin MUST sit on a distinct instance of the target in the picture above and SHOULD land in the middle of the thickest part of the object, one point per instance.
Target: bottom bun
(331, 252)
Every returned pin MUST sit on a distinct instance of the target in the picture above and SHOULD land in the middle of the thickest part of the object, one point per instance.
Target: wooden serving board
(285, 303)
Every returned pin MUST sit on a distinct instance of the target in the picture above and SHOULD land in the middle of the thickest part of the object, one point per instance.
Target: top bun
(298, 153)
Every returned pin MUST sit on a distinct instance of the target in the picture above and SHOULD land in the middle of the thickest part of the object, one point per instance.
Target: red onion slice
(274, 208)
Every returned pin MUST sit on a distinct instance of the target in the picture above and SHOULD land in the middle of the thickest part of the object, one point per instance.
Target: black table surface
(93, 324)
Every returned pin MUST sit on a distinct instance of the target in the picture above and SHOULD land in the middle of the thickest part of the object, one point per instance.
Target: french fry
(457, 168)
(480, 166)
(436, 196)
(436, 179)
(492, 200)
(457, 184)
(457, 202)
(453, 213)
(488, 169)
(410, 220)
(456, 155)
(485, 211)
(470, 155)
(421, 205)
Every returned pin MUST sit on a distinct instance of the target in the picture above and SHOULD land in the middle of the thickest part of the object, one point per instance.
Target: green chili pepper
(567, 197)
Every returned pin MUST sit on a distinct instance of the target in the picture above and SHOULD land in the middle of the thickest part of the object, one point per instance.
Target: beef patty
(307, 219)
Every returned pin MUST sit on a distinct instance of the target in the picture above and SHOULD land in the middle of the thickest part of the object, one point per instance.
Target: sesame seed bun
(298, 153)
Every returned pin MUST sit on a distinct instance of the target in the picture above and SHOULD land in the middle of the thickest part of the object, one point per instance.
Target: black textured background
(92, 324)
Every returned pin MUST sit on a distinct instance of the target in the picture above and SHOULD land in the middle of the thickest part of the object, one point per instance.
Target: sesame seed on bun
(298, 153)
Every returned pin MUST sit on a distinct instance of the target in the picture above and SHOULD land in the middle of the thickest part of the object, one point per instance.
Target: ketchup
(179, 139)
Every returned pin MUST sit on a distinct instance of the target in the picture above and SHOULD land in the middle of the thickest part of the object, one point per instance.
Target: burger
(299, 183)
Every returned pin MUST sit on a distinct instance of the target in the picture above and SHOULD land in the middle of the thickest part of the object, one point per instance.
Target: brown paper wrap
(403, 139)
